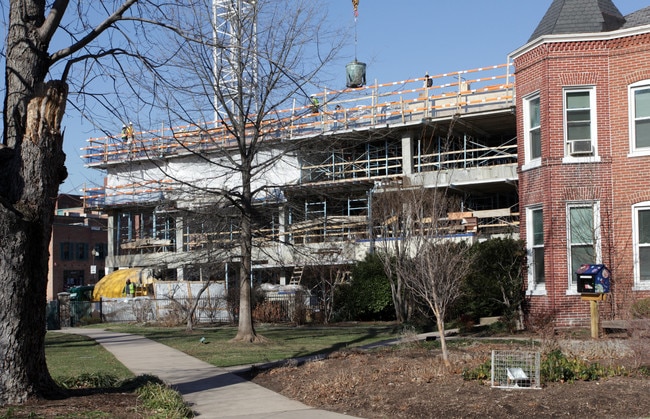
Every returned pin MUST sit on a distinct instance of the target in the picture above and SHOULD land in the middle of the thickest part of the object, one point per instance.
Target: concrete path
(212, 392)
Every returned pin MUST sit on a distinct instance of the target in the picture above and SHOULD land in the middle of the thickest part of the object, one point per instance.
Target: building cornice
(578, 37)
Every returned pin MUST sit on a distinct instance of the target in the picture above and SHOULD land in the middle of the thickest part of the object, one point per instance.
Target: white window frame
(593, 125)
(572, 286)
(632, 89)
(534, 286)
(638, 284)
(530, 162)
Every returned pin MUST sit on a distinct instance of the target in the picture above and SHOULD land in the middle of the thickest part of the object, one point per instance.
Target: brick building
(583, 124)
(79, 242)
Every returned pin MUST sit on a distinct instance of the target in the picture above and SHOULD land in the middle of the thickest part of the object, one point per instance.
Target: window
(535, 244)
(583, 237)
(66, 251)
(532, 131)
(82, 251)
(580, 122)
(640, 117)
(72, 278)
(642, 246)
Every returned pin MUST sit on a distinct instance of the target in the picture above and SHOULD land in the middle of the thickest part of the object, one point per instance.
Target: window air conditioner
(580, 147)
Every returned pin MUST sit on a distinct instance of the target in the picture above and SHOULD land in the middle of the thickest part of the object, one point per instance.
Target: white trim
(593, 124)
(638, 285)
(534, 288)
(532, 165)
(597, 239)
(585, 159)
(526, 101)
(631, 89)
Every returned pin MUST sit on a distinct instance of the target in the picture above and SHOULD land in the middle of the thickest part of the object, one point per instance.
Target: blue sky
(397, 40)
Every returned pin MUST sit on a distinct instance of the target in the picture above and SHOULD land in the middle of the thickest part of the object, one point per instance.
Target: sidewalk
(212, 392)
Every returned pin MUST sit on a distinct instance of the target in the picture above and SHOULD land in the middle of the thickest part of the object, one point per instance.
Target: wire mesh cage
(515, 369)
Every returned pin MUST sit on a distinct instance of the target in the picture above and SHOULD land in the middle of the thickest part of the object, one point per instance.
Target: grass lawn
(71, 355)
(283, 342)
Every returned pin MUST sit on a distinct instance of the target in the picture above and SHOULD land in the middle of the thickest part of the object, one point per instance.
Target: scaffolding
(393, 104)
(357, 149)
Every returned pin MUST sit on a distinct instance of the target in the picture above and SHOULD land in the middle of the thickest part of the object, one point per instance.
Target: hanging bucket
(355, 74)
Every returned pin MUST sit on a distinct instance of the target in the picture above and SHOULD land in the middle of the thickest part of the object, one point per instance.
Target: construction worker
(129, 289)
(129, 133)
(428, 81)
(315, 104)
(125, 133)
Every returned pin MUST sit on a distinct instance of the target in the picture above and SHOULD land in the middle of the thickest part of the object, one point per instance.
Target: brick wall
(616, 181)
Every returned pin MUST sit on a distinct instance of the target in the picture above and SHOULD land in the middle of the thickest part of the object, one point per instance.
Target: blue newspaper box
(593, 279)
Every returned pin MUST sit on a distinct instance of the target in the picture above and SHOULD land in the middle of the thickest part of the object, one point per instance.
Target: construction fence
(174, 311)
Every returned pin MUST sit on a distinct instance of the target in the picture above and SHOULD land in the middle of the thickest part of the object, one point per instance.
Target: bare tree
(133, 69)
(211, 248)
(388, 212)
(32, 169)
(428, 260)
(269, 57)
(436, 278)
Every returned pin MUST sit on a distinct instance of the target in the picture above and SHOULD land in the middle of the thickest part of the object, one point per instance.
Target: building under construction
(453, 133)
(571, 161)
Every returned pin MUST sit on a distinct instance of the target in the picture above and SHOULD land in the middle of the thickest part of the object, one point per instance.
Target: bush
(167, 402)
(88, 380)
(482, 372)
(556, 367)
(497, 270)
(641, 309)
(153, 393)
(368, 296)
(270, 312)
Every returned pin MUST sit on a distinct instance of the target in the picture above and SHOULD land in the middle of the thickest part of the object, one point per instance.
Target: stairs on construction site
(296, 275)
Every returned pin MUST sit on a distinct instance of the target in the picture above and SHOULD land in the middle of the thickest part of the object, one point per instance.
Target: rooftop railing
(387, 104)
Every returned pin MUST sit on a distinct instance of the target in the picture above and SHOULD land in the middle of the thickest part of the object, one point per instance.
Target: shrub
(494, 287)
(167, 402)
(88, 380)
(368, 296)
(482, 372)
(556, 367)
(270, 312)
(641, 309)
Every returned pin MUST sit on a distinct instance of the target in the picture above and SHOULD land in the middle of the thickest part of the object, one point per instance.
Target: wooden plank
(458, 215)
(593, 297)
(503, 212)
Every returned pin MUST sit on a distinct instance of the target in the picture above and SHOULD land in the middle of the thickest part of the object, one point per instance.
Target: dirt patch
(81, 403)
(411, 382)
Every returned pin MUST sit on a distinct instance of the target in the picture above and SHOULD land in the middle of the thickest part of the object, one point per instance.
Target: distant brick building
(583, 124)
(79, 242)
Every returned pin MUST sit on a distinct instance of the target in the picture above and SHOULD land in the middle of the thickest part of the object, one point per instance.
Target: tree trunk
(245, 330)
(31, 178)
(189, 321)
(31, 169)
(443, 340)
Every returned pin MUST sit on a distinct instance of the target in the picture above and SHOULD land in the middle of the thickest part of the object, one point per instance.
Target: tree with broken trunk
(133, 69)
(51, 50)
(31, 168)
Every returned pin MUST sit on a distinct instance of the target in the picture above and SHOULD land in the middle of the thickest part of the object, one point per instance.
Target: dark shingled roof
(638, 18)
(579, 16)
